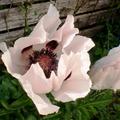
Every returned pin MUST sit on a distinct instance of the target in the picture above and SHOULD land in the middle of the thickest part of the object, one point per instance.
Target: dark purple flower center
(46, 59)
(52, 45)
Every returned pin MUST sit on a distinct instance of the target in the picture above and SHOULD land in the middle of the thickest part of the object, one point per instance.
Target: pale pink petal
(16, 55)
(35, 75)
(65, 66)
(106, 78)
(114, 50)
(102, 82)
(67, 62)
(117, 84)
(77, 85)
(112, 58)
(43, 105)
(12, 63)
(55, 80)
(24, 42)
(85, 61)
(6, 58)
(12, 57)
(79, 43)
(67, 32)
(48, 23)
(39, 32)
(51, 20)
(105, 74)
(3, 47)
(41, 102)
(64, 69)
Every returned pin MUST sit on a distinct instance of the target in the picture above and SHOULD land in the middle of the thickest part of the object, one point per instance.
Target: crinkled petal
(85, 61)
(65, 66)
(48, 23)
(15, 55)
(51, 20)
(67, 32)
(41, 102)
(39, 32)
(77, 85)
(106, 78)
(105, 74)
(12, 63)
(35, 75)
(6, 58)
(79, 43)
(12, 57)
(3, 47)
(56, 81)
(117, 84)
(64, 69)
(114, 50)
(82, 58)
(112, 58)
(24, 42)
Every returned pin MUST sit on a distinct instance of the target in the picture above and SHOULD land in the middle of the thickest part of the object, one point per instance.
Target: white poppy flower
(105, 74)
(51, 60)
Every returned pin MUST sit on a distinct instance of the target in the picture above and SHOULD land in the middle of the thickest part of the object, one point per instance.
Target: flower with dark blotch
(51, 60)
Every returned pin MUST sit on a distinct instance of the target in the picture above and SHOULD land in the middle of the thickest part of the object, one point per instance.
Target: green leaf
(31, 117)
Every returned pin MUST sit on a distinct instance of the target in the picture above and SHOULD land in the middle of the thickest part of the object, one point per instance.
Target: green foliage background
(98, 105)
(15, 105)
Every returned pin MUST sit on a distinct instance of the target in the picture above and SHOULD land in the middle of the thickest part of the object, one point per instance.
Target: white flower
(51, 60)
(105, 74)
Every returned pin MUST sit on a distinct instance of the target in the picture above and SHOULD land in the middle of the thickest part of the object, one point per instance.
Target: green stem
(67, 111)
